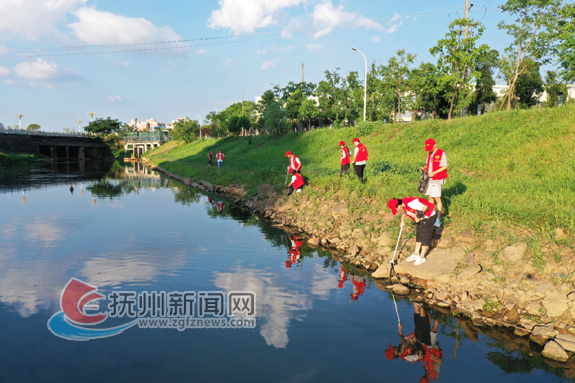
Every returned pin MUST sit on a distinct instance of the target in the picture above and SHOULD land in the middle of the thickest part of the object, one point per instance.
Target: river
(133, 234)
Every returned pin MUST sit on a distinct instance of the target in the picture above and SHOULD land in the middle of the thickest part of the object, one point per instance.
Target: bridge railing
(40, 133)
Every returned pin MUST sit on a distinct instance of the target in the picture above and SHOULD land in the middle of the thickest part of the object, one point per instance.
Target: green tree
(233, 124)
(275, 118)
(529, 85)
(308, 111)
(33, 127)
(458, 58)
(484, 93)
(429, 90)
(533, 36)
(553, 87)
(395, 77)
(566, 47)
(104, 126)
(186, 130)
(293, 105)
(331, 96)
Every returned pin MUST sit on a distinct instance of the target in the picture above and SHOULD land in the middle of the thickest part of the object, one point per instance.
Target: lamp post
(200, 117)
(91, 114)
(19, 115)
(365, 87)
(79, 124)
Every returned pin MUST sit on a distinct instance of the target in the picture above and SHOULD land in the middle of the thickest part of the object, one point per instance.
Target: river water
(126, 230)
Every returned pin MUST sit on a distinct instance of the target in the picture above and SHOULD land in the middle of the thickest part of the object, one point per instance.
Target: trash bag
(423, 181)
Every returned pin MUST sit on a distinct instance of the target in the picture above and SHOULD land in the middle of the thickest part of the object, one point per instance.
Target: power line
(110, 48)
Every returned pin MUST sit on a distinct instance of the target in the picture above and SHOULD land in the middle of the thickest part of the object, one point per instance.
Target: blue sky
(57, 62)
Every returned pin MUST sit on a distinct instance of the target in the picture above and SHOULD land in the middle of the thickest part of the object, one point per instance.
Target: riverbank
(505, 254)
(9, 159)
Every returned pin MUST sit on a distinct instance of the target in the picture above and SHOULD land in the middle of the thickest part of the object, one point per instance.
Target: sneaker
(412, 257)
(437, 222)
(298, 191)
(419, 261)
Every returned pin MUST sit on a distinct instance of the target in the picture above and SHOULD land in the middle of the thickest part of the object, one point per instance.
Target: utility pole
(19, 115)
(467, 15)
(79, 126)
(200, 117)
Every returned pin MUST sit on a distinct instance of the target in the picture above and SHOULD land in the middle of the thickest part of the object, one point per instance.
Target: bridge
(54, 145)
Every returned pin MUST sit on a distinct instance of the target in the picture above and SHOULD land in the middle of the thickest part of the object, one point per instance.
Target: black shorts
(422, 329)
(424, 231)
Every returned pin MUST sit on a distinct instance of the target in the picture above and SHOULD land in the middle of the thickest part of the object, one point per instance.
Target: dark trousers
(210, 162)
(344, 170)
(358, 169)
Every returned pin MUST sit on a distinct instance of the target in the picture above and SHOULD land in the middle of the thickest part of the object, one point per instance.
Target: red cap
(423, 380)
(288, 264)
(354, 297)
(392, 204)
(340, 284)
(287, 153)
(429, 144)
(389, 353)
(356, 140)
(341, 143)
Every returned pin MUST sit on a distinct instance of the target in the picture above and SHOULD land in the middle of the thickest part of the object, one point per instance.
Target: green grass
(507, 168)
(9, 159)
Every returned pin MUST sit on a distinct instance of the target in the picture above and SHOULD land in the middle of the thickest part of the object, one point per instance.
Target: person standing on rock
(345, 159)
(359, 158)
(210, 158)
(297, 183)
(436, 167)
(423, 213)
(294, 163)
(220, 158)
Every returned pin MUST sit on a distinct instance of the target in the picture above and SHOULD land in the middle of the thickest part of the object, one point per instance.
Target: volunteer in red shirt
(436, 167)
(220, 158)
(423, 213)
(210, 156)
(345, 159)
(358, 287)
(296, 183)
(359, 158)
(294, 163)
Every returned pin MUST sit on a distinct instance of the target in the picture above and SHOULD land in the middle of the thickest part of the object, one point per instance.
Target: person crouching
(423, 213)
(296, 183)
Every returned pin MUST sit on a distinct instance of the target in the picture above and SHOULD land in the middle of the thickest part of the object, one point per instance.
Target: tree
(275, 117)
(308, 111)
(104, 126)
(33, 127)
(458, 59)
(484, 93)
(331, 95)
(533, 37)
(566, 47)
(233, 124)
(293, 105)
(429, 90)
(553, 87)
(186, 130)
(529, 85)
(395, 77)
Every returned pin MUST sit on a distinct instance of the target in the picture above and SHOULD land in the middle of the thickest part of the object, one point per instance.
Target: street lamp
(200, 126)
(365, 88)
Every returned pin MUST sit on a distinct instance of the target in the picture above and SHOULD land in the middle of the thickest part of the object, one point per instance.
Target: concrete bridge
(54, 145)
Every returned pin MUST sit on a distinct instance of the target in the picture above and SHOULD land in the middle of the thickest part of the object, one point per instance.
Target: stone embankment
(491, 284)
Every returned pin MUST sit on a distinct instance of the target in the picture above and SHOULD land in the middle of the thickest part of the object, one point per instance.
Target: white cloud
(275, 48)
(326, 16)
(4, 72)
(113, 99)
(229, 62)
(246, 16)
(269, 64)
(395, 23)
(3, 50)
(313, 47)
(34, 19)
(374, 39)
(97, 27)
(126, 64)
(201, 52)
(44, 85)
(41, 69)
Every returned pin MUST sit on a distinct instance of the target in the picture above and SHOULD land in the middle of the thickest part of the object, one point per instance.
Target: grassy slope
(508, 168)
(8, 158)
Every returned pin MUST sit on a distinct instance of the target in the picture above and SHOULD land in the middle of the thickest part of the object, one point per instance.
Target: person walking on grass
(423, 213)
(344, 159)
(210, 158)
(296, 183)
(294, 162)
(220, 158)
(436, 167)
(359, 158)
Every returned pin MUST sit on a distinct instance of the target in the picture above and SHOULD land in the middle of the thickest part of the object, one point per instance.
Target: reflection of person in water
(221, 206)
(294, 251)
(211, 200)
(421, 345)
(358, 286)
(342, 276)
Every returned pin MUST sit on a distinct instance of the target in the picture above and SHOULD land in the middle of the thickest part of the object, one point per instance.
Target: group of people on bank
(219, 158)
(425, 213)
